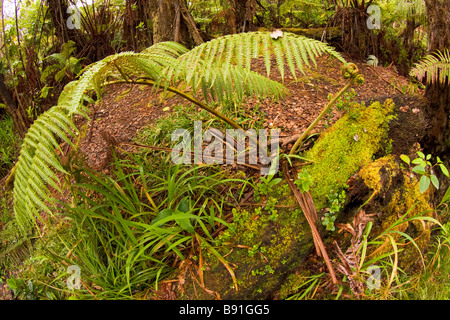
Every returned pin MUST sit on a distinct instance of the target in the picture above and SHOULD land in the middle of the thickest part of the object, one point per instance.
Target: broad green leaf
(424, 183)
(443, 169)
(184, 221)
(419, 161)
(434, 181)
(419, 170)
(162, 214)
(405, 158)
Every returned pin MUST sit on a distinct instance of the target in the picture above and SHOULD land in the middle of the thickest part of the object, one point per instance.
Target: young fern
(219, 68)
(433, 68)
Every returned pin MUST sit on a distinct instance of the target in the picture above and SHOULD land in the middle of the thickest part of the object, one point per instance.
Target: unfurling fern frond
(433, 68)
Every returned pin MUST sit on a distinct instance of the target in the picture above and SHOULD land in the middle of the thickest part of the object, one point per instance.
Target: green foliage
(336, 203)
(8, 145)
(220, 68)
(26, 290)
(305, 13)
(434, 68)
(267, 185)
(66, 64)
(424, 168)
(130, 228)
(304, 181)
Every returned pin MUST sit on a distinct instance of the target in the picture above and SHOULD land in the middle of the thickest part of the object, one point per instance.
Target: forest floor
(122, 112)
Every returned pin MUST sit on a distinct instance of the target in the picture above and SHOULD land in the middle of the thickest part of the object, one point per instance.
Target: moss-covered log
(264, 245)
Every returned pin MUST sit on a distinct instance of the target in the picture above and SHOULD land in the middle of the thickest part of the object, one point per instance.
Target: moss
(371, 172)
(345, 147)
(260, 249)
(293, 283)
(386, 176)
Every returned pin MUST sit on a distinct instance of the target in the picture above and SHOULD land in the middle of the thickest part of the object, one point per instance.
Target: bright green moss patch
(345, 147)
(261, 245)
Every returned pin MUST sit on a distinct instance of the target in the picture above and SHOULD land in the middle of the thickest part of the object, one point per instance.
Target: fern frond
(231, 55)
(220, 68)
(433, 68)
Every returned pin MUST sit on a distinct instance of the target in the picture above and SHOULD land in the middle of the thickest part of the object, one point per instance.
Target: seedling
(424, 168)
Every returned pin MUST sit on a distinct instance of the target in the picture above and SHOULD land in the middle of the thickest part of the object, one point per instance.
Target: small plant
(336, 201)
(22, 289)
(304, 181)
(66, 64)
(424, 168)
(266, 186)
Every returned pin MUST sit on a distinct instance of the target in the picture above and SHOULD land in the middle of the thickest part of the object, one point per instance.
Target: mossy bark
(263, 246)
(391, 191)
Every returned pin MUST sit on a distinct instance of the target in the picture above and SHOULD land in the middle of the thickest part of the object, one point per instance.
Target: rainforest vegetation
(224, 149)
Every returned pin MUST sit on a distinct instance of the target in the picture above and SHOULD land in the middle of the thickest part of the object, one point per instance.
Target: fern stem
(10, 178)
(187, 97)
(321, 115)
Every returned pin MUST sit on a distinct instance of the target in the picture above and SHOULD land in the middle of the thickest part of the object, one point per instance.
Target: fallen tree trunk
(265, 244)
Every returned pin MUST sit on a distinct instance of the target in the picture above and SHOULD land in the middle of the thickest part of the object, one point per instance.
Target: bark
(137, 39)
(21, 123)
(59, 17)
(244, 11)
(437, 139)
(173, 22)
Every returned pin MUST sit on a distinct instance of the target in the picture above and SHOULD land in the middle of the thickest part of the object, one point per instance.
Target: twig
(370, 67)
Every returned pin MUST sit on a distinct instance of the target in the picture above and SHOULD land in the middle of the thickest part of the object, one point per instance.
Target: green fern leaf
(433, 68)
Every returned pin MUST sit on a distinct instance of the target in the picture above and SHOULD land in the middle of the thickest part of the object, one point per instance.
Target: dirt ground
(122, 112)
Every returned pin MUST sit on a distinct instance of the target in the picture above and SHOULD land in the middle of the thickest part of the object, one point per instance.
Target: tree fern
(238, 49)
(219, 68)
(412, 9)
(38, 160)
(433, 68)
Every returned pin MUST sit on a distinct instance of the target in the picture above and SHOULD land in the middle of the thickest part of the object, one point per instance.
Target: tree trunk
(59, 16)
(21, 123)
(244, 11)
(137, 38)
(438, 94)
(173, 22)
